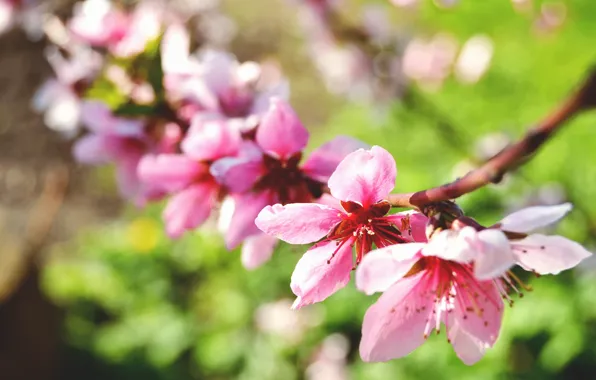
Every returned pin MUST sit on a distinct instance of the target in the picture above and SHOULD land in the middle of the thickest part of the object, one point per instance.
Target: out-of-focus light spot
(552, 16)
(279, 319)
(143, 234)
(491, 144)
(404, 3)
(522, 6)
(430, 61)
(446, 3)
(330, 361)
(474, 59)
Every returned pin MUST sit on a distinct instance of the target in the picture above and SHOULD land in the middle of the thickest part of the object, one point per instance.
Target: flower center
(367, 226)
(288, 181)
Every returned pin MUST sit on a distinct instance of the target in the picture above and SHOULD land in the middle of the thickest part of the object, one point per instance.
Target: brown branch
(493, 170)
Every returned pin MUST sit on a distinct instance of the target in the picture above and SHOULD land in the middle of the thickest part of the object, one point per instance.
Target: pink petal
(324, 160)
(189, 208)
(298, 223)
(217, 68)
(171, 171)
(548, 254)
(96, 116)
(415, 223)
(239, 174)
(328, 200)
(126, 176)
(493, 254)
(479, 327)
(531, 218)
(467, 347)
(92, 149)
(364, 176)
(394, 326)
(257, 250)
(280, 132)
(383, 267)
(261, 102)
(242, 224)
(454, 245)
(209, 140)
(318, 275)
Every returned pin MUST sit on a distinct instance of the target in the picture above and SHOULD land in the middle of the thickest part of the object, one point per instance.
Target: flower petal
(298, 223)
(493, 254)
(92, 149)
(189, 208)
(323, 270)
(394, 326)
(364, 176)
(467, 347)
(476, 321)
(171, 171)
(209, 140)
(239, 174)
(383, 267)
(412, 225)
(548, 254)
(280, 133)
(454, 245)
(242, 224)
(324, 160)
(531, 218)
(257, 250)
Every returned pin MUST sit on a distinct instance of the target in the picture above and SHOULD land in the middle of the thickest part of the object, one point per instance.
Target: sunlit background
(91, 287)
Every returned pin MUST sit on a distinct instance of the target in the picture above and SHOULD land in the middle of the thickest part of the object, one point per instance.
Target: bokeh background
(91, 288)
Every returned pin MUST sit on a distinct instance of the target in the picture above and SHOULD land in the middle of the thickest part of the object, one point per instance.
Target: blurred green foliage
(149, 307)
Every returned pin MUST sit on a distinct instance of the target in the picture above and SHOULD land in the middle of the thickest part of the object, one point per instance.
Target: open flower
(123, 142)
(187, 175)
(268, 170)
(458, 279)
(359, 185)
(421, 292)
(494, 250)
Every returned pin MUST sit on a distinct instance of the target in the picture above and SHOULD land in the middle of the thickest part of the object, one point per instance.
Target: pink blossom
(215, 84)
(496, 249)
(99, 23)
(123, 142)
(360, 184)
(458, 278)
(143, 26)
(421, 292)
(268, 170)
(187, 177)
(59, 98)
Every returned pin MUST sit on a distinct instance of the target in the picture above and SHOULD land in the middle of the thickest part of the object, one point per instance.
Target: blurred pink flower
(99, 23)
(123, 142)
(59, 98)
(267, 171)
(214, 84)
(186, 175)
(143, 26)
(7, 15)
(360, 184)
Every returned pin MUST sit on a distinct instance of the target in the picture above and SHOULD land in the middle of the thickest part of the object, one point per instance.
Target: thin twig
(493, 170)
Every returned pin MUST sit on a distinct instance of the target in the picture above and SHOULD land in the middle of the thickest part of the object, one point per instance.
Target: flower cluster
(431, 272)
(200, 129)
(218, 138)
